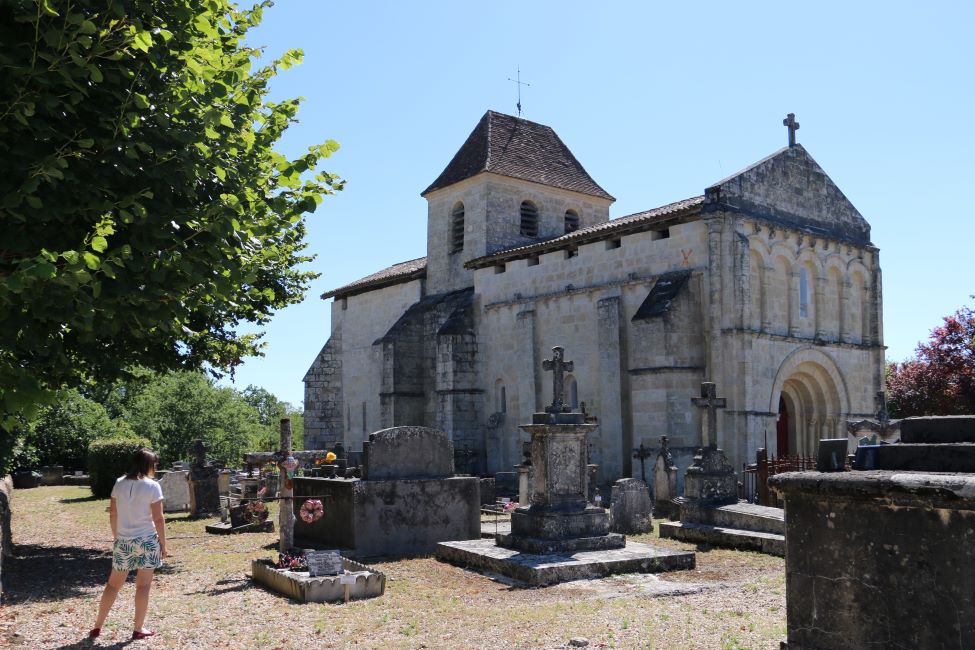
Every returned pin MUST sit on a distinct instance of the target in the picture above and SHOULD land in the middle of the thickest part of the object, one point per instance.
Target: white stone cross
(709, 401)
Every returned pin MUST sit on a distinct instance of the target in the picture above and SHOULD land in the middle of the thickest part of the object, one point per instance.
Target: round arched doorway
(811, 402)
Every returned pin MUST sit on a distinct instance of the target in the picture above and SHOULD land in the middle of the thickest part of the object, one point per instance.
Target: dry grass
(204, 599)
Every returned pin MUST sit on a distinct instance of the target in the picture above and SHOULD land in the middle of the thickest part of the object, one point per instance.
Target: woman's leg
(143, 580)
(115, 582)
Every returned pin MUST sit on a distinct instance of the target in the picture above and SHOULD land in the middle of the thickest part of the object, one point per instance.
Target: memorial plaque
(324, 563)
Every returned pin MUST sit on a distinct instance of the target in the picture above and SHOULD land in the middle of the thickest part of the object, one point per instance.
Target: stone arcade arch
(810, 394)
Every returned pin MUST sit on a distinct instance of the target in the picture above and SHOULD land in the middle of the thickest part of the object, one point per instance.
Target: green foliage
(178, 408)
(146, 213)
(271, 410)
(108, 459)
(62, 432)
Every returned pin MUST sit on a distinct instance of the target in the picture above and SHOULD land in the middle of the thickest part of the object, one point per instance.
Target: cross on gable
(793, 126)
(558, 367)
(709, 424)
(520, 84)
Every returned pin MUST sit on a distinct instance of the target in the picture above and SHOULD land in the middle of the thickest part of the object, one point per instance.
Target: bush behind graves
(107, 460)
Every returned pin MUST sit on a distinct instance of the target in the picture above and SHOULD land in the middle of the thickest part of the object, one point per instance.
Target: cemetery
(395, 522)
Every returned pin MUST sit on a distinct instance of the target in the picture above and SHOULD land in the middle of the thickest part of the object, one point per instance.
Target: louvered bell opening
(457, 230)
(571, 221)
(529, 219)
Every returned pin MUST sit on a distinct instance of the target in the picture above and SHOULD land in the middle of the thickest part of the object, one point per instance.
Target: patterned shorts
(130, 553)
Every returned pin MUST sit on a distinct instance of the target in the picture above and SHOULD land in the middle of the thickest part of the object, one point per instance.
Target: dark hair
(142, 463)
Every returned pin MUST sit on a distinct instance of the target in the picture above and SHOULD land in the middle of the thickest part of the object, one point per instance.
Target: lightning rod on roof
(520, 84)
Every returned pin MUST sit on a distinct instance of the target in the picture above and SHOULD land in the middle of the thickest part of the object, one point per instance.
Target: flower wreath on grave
(311, 511)
(256, 511)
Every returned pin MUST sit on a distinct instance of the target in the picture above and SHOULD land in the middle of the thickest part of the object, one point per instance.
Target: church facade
(766, 284)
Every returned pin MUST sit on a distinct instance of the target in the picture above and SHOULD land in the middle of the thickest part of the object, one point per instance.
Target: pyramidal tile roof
(517, 148)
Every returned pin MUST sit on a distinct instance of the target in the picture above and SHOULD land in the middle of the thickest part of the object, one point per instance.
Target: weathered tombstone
(223, 481)
(831, 455)
(711, 480)
(630, 507)
(52, 475)
(26, 479)
(407, 500)
(204, 493)
(176, 491)
(664, 481)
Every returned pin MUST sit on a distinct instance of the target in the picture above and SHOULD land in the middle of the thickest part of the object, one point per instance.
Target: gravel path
(203, 597)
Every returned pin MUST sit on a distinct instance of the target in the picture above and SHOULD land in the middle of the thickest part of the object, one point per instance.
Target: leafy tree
(940, 379)
(145, 212)
(271, 410)
(61, 433)
(178, 408)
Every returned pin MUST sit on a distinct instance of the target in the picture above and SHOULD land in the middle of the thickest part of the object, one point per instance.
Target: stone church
(766, 284)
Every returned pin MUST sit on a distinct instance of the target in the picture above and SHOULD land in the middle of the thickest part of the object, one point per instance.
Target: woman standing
(139, 530)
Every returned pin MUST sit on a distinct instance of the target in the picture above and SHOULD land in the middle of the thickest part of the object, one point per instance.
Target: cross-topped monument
(793, 126)
(709, 424)
(558, 367)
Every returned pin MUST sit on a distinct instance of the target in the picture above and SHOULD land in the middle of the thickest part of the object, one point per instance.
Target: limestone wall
(359, 321)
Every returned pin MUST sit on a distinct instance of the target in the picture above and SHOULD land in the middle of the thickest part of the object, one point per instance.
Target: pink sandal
(139, 634)
(95, 631)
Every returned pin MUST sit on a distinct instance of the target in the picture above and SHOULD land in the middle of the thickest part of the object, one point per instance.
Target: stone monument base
(533, 521)
(547, 546)
(538, 569)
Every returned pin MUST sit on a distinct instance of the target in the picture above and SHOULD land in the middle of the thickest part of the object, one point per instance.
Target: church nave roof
(395, 274)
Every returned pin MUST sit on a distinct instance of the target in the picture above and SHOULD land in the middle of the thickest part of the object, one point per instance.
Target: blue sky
(657, 100)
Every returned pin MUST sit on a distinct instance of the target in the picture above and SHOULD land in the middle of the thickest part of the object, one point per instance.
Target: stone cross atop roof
(793, 126)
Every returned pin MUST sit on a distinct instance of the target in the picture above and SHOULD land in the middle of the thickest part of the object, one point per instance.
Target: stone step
(938, 429)
(946, 457)
(747, 516)
(771, 543)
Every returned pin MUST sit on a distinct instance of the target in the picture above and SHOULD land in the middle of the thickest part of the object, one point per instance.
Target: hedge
(108, 458)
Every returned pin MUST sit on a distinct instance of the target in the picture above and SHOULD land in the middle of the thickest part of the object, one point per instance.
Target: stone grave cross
(558, 368)
(709, 424)
(642, 453)
(793, 126)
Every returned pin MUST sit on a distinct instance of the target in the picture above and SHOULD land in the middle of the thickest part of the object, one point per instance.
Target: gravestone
(664, 481)
(711, 479)
(204, 491)
(407, 453)
(630, 507)
(52, 475)
(176, 491)
(407, 500)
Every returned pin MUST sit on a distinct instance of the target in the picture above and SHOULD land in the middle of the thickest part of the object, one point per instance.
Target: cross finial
(793, 126)
(520, 84)
(709, 401)
(558, 368)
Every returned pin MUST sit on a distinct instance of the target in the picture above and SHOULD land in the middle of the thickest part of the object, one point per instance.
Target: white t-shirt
(132, 499)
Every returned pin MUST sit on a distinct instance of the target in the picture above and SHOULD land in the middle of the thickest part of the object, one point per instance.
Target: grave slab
(362, 582)
(547, 569)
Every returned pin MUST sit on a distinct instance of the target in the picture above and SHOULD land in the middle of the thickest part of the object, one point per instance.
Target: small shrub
(108, 459)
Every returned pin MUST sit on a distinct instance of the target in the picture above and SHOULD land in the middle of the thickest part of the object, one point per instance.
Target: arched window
(501, 397)
(803, 292)
(457, 228)
(529, 219)
(571, 221)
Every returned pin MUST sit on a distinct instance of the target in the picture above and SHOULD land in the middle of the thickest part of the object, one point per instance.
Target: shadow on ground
(90, 497)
